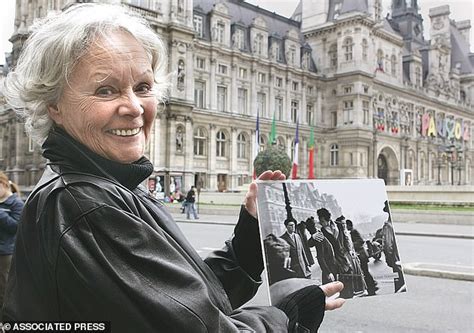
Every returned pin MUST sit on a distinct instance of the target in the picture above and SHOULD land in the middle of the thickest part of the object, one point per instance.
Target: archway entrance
(382, 168)
(388, 167)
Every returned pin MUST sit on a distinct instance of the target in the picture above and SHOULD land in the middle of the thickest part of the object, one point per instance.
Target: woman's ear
(55, 113)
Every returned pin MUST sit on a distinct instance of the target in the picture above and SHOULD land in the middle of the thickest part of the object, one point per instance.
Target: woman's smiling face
(108, 103)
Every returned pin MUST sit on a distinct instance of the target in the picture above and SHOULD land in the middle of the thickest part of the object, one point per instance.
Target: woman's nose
(131, 105)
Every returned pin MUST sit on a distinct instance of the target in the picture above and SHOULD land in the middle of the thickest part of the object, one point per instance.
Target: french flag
(256, 146)
(294, 169)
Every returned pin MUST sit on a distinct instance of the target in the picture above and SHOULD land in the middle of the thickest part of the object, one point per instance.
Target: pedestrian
(299, 261)
(11, 207)
(190, 206)
(359, 245)
(92, 244)
(390, 250)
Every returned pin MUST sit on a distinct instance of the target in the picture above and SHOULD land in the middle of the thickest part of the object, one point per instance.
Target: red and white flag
(294, 169)
(256, 148)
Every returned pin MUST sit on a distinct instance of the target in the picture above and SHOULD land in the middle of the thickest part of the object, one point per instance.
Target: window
(220, 144)
(365, 49)
(222, 69)
(220, 32)
(242, 100)
(242, 73)
(310, 114)
(347, 112)
(198, 26)
(347, 45)
(241, 146)
(262, 142)
(279, 82)
(221, 98)
(261, 104)
(239, 39)
(333, 56)
(200, 142)
(347, 89)
(334, 151)
(279, 108)
(31, 145)
(258, 44)
(380, 59)
(262, 78)
(365, 111)
(393, 65)
(277, 51)
(199, 93)
(294, 86)
(418, 76)
(200, 63)
(294, 111)
(291, 55)
(333, 118)
(351, 158)
(361, 157)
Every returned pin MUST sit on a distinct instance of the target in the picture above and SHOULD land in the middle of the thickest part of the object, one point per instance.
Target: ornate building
(381, 98)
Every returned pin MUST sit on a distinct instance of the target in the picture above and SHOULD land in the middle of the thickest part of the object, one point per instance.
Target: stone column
(212, 158)
(212, 86)
(188, 153)
(233, 158)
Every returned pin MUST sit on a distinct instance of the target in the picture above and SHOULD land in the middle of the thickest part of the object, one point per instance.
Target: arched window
(200, 138)
(347, 45)
(333, 56)
(365, 49)
(281, 143)
(241, 146)
(334, 152)
(262, 141)
(393, 65)
(220, 144)
(380, 59)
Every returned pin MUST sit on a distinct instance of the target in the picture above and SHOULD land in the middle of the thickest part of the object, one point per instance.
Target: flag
(311, 155)
(294, 170)
(272, 139)
(256, 146)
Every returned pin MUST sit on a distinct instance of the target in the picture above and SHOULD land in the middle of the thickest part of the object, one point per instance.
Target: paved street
(430, 305)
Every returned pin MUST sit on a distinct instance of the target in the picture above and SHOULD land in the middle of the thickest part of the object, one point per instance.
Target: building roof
(460, 53)
(338, 7)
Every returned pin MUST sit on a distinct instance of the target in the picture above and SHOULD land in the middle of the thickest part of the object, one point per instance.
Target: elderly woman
(10, 211)
(93, 244)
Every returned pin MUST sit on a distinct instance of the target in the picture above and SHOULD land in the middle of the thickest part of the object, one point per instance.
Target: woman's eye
(143, 88)
(105, 91)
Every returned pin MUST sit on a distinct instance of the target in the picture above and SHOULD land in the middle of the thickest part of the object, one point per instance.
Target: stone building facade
(383, 101)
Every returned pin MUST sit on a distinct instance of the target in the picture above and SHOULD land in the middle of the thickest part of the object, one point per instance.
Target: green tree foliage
(272, 158)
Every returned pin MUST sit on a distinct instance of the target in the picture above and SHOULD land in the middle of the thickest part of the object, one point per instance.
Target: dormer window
(220, 32)
(258, 44)
(198, 26)
(239, 41)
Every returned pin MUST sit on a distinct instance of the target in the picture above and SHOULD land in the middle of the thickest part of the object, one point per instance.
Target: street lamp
(459, 167)
(439, 164)
(452, 158)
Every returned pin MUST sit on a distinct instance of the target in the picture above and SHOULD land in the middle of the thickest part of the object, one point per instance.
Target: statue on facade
(181, 74)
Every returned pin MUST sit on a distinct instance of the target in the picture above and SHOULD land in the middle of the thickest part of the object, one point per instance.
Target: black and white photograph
(330, 230)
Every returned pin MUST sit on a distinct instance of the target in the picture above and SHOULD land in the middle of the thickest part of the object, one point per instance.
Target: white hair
(56, 45)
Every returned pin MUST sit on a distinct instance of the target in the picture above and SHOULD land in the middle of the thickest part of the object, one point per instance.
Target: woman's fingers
(272, 175)
(331, 289)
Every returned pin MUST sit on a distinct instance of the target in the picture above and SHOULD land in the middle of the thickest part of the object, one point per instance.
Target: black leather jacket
(89, 248)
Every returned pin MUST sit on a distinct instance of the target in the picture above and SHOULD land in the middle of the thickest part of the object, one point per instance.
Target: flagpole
(294, 170)
(256, 146)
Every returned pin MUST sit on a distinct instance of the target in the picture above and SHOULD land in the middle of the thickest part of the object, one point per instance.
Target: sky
(460, 10)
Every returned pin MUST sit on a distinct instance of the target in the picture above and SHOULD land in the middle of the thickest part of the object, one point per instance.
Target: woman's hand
(283, 288)
(250, 201)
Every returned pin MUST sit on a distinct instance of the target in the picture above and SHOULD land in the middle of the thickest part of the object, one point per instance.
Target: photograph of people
(92, 243)
(334, 232)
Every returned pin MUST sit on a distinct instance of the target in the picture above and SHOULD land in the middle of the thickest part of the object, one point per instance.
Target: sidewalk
(406, 229)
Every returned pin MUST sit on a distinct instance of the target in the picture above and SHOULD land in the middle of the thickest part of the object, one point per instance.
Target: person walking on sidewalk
(10, 211)
(190, 206)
